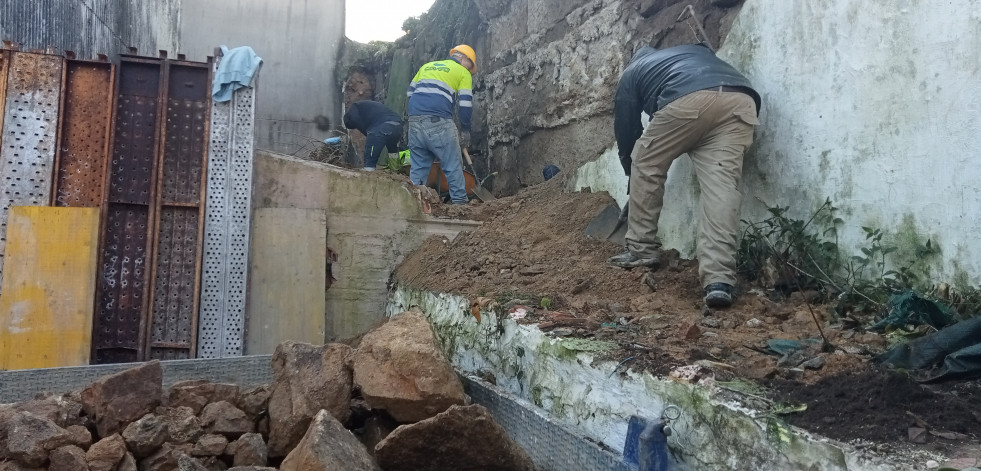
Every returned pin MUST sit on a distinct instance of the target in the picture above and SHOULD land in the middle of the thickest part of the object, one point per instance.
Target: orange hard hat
(467, 51)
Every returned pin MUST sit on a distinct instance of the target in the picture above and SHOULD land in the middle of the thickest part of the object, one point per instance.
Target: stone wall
(548, 70)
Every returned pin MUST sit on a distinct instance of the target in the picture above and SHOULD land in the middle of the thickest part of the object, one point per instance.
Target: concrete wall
(372, 222)
(875, 106)
(299, 41)
(91, 27)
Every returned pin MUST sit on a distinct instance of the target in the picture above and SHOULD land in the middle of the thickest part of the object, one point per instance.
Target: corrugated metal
(29, 132)
(224, 274)
(123, 288)
(180, 209)
(84, 136)
(90, 27)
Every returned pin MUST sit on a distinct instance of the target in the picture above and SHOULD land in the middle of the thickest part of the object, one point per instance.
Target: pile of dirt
(531, 251)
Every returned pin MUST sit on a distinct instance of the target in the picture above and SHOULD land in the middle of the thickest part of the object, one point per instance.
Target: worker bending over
(381, 126)
(434, 91)
(701, 106)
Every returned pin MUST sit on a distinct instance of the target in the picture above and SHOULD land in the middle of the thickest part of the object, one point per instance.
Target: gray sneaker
(718, 295)
(629, 260)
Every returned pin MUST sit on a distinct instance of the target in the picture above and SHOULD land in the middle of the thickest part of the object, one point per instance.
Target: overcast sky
(380, 20)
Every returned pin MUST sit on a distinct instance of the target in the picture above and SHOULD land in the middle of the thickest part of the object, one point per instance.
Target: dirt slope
(532, 246)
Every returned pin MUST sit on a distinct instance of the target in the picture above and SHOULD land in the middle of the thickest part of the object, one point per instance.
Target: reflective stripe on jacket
(437, 86)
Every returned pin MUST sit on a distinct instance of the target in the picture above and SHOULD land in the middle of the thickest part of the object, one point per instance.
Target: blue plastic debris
(332, 140)
(646, 446)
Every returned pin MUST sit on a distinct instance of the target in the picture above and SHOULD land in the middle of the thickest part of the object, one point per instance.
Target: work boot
(718, 295)
(629, 260)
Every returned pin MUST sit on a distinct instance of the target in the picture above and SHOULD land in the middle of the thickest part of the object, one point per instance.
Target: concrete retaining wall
(372, 222)
(564, 378)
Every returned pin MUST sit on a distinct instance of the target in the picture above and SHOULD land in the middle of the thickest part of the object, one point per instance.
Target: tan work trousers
(714, 128)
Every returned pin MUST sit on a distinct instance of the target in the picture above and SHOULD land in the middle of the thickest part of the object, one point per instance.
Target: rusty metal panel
(120, 321)
(122, 281)
(85, 123)
(29, 132)
(224, 274)
(172, 325)
(178, 246)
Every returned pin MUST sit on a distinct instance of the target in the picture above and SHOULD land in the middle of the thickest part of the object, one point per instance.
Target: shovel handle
(467, 155)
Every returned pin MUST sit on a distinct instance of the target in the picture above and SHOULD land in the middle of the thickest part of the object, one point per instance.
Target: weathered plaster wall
(91, 27)
(372, 222)
(873, 105)
(300, 42)
(565, 378)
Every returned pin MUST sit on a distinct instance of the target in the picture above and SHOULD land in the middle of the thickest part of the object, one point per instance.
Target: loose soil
(532, 251)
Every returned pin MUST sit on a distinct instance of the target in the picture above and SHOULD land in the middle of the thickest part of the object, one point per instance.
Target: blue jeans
(379, 137)
(429, 140)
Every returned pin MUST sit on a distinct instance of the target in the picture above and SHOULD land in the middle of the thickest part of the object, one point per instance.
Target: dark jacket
(364, 115)
(654, 78)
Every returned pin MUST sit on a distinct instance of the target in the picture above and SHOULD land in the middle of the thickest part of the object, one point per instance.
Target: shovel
(478, 189)
(610, 224)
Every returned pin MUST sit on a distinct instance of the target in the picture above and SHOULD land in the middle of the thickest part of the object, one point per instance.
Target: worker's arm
(464, 94)
(627, 127)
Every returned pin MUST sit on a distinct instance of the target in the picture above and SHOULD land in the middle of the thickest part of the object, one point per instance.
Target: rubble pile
(392, 403)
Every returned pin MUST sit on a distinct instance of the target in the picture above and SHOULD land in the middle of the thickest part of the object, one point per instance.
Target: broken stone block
(68, 458)
(64, 411)
(248, 450)
(254, 401)
(80, 436)
(326, 446)
(105, 454)
(145, 435)
(815, 363)
(183, 425)
(31, 438)
(224, 418)
(198, 393)
(308, 378)
(186, 463)
(463, 437)
(211, 444)
(165, 459)
(400, 368)
(128, 463)
(690, 331)
(119, 399)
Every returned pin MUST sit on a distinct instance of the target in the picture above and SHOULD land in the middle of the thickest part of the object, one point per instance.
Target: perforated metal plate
(228, 211)
(29, 132)
(123, 286)
(84, 143)
(174, 314)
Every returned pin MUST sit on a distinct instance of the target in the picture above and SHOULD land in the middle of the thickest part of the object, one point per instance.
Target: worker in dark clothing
(381, 126)
(699, 105)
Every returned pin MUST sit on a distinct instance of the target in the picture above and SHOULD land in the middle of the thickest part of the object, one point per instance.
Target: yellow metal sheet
(48, 287)
(287, 280)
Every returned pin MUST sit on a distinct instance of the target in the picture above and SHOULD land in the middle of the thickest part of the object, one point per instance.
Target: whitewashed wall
(876, 105)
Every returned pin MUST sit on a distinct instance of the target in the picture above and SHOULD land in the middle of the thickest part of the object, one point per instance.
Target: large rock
(128, 463)
(119, 399)
(166, 458)
(144, 436)
(186, 463)
(255, 401)
(30, 438)
(80, 436)
(198, 393)
(211, 444)
(105, 454)
(251, 468)
(328, 446)
(400, 368)
(224, 418)
(68, 458)
(248, 450)
(463, 437)
(307, 379)
(183, 425)
(62, 410)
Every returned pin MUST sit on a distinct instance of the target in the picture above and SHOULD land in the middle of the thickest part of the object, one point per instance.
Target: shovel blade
(603, 225)
(483, 194)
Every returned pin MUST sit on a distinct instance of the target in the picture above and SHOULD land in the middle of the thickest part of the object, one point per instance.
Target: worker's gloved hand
(625, 162)
(465, 139)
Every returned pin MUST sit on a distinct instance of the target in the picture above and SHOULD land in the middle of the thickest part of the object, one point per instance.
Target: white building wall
(875, 105)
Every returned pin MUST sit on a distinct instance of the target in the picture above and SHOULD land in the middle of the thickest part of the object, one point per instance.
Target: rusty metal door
(33, 98)
(120, 323)
(179, 212)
